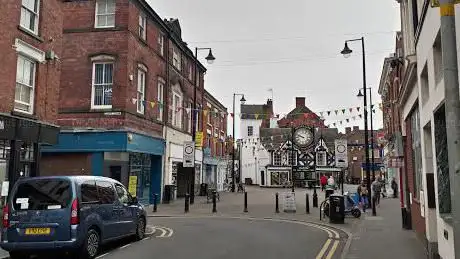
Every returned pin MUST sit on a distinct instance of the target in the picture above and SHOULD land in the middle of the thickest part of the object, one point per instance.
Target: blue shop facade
(115, 154)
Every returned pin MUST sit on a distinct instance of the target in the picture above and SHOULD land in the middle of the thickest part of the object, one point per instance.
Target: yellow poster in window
(199, 139)
(132, 185)
(436, 3)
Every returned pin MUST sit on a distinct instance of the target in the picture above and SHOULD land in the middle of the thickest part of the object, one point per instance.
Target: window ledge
(31, 34)
(447, 217)
(24, 114)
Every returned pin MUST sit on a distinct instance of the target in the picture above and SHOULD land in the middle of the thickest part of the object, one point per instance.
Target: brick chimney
(347, 130)
(299, 102)
(355, 128)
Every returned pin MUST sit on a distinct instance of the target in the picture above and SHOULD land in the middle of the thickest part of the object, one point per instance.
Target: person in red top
(323, 181)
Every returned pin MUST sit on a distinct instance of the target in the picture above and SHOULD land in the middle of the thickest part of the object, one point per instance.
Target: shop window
(416, 151)
(175, 167)
(106, 192)
(442, 170)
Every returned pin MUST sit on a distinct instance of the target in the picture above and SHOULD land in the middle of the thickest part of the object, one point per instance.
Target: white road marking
(102, 255)
(165, 232)
(153, 230)
(125, 246)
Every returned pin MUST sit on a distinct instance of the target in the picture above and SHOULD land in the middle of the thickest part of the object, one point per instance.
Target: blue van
(74, 214)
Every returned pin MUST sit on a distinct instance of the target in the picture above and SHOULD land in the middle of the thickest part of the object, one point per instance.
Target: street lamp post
(242, 100)
(346, 52)
(372, 130)
(210, 59)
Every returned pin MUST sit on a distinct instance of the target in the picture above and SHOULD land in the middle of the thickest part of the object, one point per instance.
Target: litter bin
(168, 193)
(336, 209)
(203, 189)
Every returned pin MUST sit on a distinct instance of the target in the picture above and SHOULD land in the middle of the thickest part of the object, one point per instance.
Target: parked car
(72, 214)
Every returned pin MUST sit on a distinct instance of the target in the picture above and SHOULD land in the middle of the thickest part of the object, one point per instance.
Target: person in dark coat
(394, 186)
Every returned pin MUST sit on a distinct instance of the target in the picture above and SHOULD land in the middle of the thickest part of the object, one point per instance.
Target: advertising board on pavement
(288, 199)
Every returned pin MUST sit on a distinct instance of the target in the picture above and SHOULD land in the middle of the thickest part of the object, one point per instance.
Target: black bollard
(315, 198)
(187, 204)
(307, 203)
(277, 206)
(245, 201)
(155, 197)
(214, 198)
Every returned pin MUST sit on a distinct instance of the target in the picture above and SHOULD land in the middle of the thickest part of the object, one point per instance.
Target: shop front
(131, 158)
(278, 176)
(20, 142)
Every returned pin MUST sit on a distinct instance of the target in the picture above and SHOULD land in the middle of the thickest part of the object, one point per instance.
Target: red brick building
(126, 76)
(357, 154)
(31, 51)
(214, 141)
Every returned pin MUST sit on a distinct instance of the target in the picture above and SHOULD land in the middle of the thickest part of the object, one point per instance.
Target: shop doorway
(115, 172)
(185, 180)
(262, 178)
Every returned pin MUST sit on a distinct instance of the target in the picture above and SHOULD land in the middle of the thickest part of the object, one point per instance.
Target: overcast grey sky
(291, 46)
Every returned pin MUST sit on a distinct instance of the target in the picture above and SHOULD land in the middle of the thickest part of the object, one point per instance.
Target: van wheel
(140, 229)
(91, 245)
(18, 255)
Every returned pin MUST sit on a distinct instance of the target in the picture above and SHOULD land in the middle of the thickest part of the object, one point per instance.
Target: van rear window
(42, 194)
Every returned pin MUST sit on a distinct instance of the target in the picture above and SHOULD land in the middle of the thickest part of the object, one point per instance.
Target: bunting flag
(334, 124)
(152, 104)
(257, 116)
(134, 100)
(340, 122)
(357, 108)
(343, 111)
(351, 110)
(321, 114)
(348, 120)
(328, 113)
(373, 111)
(372, 106)
(336, 111)
(231, 114)
(360, 116)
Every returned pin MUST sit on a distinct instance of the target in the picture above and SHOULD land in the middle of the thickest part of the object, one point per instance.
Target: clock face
(341, 148)
(303, 137)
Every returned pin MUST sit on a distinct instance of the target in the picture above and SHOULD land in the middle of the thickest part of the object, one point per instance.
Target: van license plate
(38, 231)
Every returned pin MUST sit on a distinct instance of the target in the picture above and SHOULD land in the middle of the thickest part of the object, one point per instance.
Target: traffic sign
(189, 154)
(341, 153)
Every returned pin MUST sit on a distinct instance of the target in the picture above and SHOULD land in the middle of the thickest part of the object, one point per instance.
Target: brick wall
(418, 222)
(65, 164)
(47, 74)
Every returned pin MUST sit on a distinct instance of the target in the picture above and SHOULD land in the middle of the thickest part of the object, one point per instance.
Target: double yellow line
(332, 235)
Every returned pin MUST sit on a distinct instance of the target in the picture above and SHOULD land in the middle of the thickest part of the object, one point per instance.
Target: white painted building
(426, 98)
(254, 157)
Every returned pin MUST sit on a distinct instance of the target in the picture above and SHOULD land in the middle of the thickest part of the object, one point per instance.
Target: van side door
(127, 217)
(107, 209)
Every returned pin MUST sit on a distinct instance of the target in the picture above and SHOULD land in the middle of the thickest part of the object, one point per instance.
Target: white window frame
(189, 118)
(176, 60)
(96, 15)
(190, 72)
(142, 26)
(161, 42)
(160, 98)
(177, 113)
(93, 86)
(323, 161)
(252, 131)
(36, 14)
(31, 86)
(141, 79)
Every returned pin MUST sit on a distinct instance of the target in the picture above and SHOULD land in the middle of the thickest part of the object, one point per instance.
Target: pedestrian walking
(323, 181)
(376, 189)
(394, 186)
